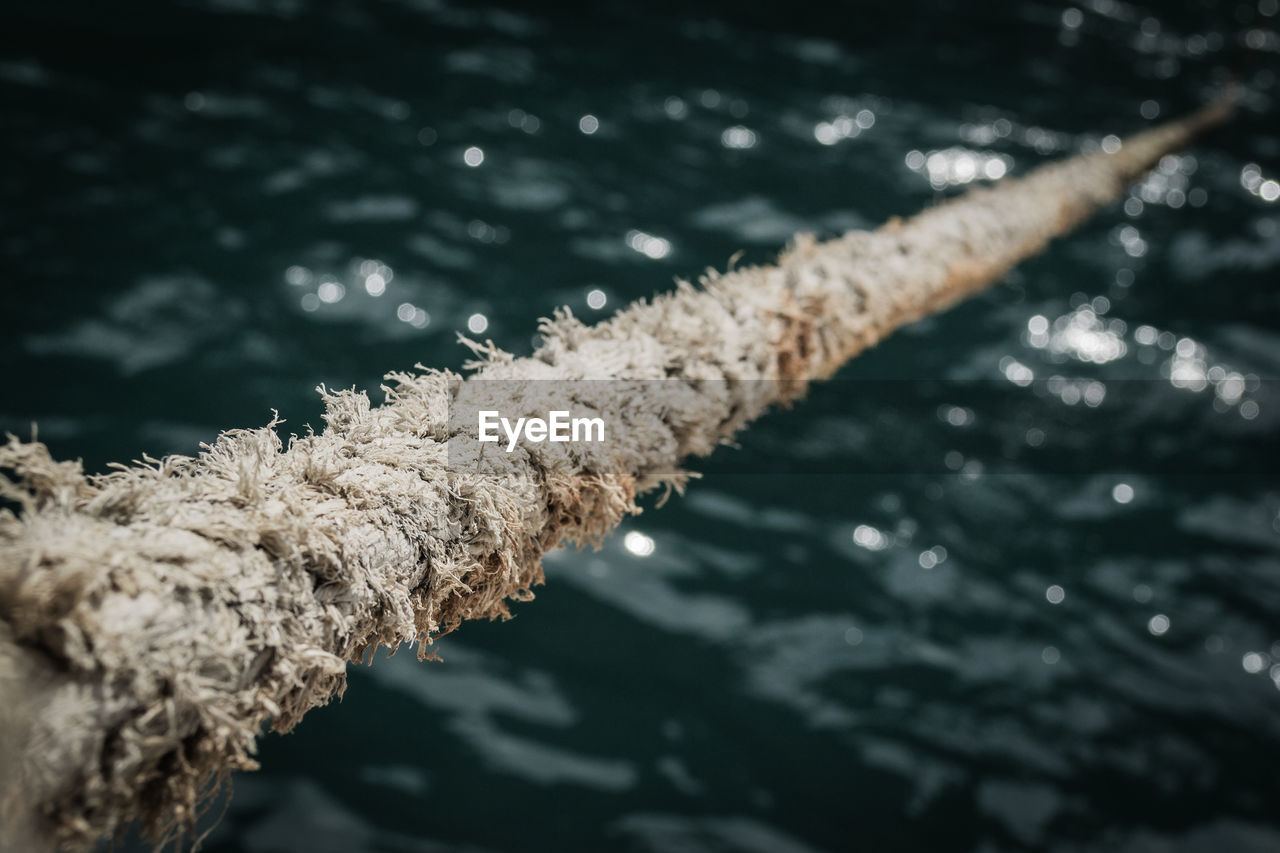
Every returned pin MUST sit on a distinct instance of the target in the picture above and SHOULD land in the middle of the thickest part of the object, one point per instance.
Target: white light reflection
(478, 229)
(935, 556)
(985, 134)
(1017, 372)
(588, 124)
(1055, 594)
(409, 313)
(1091, 392)
(866, 536)
(1251, 178)
(956, 166)
(1045, 141)
(1081, 334)
(522, 120)
(473, 156)
(1253, 662)
(956, 416)
(648, 245)
(825, 132)
(1188, 368)
(738, 137)
(638, 544)
(1131, 239)
(477, 323)
(373, 275)
(596, 299)
(330, 292)
(1158, 625)
(844, 127)
(1167, 184)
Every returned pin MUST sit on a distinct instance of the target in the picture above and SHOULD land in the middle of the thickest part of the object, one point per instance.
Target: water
(210, 208)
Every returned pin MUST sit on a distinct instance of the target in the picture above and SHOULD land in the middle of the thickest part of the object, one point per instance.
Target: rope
(154, 619)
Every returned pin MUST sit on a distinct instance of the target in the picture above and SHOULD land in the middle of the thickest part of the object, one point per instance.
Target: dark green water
(850, 641)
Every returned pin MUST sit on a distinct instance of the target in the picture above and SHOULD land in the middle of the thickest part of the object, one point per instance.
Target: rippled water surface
(867, 637)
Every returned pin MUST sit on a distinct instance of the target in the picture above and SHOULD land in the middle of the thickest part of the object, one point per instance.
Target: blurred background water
(209, 207)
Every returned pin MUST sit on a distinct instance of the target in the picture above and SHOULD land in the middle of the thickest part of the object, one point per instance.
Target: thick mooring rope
(153, 619)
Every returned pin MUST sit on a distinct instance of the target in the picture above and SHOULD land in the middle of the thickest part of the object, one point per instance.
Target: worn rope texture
(153, 619)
